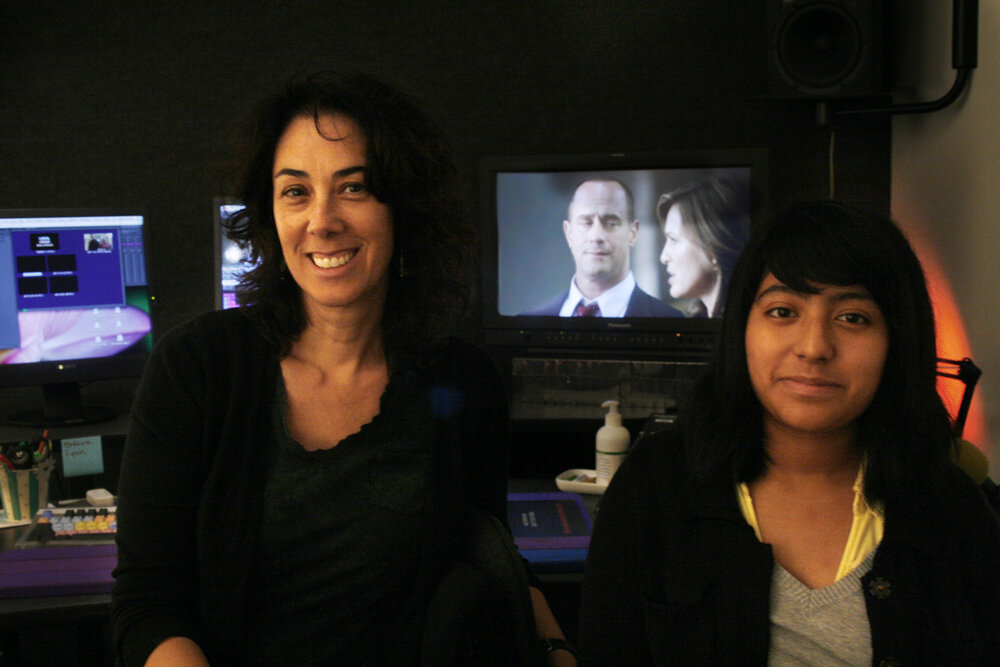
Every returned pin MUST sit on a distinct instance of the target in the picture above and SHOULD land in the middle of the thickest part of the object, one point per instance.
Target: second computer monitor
(232, 259)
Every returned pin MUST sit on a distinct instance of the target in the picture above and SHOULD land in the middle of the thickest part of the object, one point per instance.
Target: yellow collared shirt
(866, 528)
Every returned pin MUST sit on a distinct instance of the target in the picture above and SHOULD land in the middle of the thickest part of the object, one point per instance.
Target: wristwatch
(550, 644)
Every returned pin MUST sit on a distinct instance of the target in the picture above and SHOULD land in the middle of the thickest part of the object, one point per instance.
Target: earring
(402, 267)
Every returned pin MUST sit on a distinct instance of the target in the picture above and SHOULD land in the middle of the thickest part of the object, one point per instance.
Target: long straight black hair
(905, 434)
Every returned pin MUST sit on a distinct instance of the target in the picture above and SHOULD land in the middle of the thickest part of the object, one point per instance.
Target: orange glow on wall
(952, 339)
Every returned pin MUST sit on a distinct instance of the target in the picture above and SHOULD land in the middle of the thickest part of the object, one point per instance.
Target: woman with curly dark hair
(296, 468)
(408, 168)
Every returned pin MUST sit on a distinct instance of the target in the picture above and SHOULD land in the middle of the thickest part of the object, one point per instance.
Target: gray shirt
(823, 626)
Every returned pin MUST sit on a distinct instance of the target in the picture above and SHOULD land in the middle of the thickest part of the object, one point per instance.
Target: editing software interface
(72, 287)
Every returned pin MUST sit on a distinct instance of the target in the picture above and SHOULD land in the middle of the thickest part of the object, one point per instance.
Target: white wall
(946, 177)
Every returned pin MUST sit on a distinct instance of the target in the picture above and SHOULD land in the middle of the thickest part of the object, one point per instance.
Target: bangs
(821, 248)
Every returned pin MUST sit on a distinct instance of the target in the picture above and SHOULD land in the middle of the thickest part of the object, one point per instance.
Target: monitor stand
(62, 406)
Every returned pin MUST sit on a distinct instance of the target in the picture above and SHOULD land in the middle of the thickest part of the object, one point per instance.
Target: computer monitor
(74, 306)
(232, 259)
(529, 260)
(665, 297)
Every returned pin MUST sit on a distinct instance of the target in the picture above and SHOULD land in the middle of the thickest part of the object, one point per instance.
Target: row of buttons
(74, 525)
(80, 521)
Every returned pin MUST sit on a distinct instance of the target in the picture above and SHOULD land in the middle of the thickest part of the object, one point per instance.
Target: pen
(42, 453)
(44, 447)
(4, 460)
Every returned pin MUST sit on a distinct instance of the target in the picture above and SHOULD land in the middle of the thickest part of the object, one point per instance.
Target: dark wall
(103, 103)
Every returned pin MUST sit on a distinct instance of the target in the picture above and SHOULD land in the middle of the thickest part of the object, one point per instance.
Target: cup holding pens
(25, 491)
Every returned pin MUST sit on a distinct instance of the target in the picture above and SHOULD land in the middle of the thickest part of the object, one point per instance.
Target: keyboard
(72, 526)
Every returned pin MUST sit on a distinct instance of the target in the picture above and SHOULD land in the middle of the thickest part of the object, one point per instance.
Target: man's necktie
(584, 310)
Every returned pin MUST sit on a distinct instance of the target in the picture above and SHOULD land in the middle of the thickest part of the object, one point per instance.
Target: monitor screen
(74, 305)
(604, 251)
(232, 259)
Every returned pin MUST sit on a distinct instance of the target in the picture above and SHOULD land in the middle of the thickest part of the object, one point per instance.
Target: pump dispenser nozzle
(613, 418)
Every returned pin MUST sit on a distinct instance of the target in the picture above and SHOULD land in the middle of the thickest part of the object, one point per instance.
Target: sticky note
(82, 456)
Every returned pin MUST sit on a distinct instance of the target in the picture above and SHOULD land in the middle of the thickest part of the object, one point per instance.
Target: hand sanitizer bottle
(611, 443)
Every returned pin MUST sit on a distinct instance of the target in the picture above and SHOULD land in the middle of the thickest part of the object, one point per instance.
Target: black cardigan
(192, 481)
(675, 575)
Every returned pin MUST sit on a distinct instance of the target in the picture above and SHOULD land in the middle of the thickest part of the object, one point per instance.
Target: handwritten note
(82, 456)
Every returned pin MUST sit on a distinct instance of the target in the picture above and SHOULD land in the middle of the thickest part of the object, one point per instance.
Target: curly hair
(409, 167)
(905, 433)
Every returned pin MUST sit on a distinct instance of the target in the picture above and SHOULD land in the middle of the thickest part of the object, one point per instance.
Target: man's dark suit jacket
(640, 304)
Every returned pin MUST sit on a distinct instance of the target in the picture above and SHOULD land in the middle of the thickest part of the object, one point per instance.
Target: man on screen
(600, 231)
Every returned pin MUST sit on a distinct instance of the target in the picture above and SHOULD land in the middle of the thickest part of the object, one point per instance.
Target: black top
(338, 531)
(675, 575)
(194, 474)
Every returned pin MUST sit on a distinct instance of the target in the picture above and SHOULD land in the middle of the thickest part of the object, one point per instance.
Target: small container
(611, 443)
(25, 491)
(579, 480)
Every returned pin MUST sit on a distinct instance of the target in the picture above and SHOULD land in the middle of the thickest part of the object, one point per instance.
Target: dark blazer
(640, 304)
(676, 576)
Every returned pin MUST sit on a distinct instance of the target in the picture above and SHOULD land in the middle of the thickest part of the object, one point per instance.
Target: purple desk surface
(59, 570)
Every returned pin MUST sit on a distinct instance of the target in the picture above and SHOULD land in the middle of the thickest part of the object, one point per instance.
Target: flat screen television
(231, 258)
(536, 247)
(74, 306)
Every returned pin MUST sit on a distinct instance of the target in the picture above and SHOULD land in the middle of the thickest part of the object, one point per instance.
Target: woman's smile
(333, 260)
(809, 386)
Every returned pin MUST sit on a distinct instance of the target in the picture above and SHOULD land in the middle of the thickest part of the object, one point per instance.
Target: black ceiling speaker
(827, 49)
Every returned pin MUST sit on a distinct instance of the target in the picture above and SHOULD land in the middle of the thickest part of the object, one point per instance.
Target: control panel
(561, 388)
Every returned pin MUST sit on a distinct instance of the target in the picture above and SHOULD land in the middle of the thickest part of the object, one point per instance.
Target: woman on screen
(705, 226)
(296, 468)
(805, 509)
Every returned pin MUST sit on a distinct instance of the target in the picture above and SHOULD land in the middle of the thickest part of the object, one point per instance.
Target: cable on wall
(964, 59)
